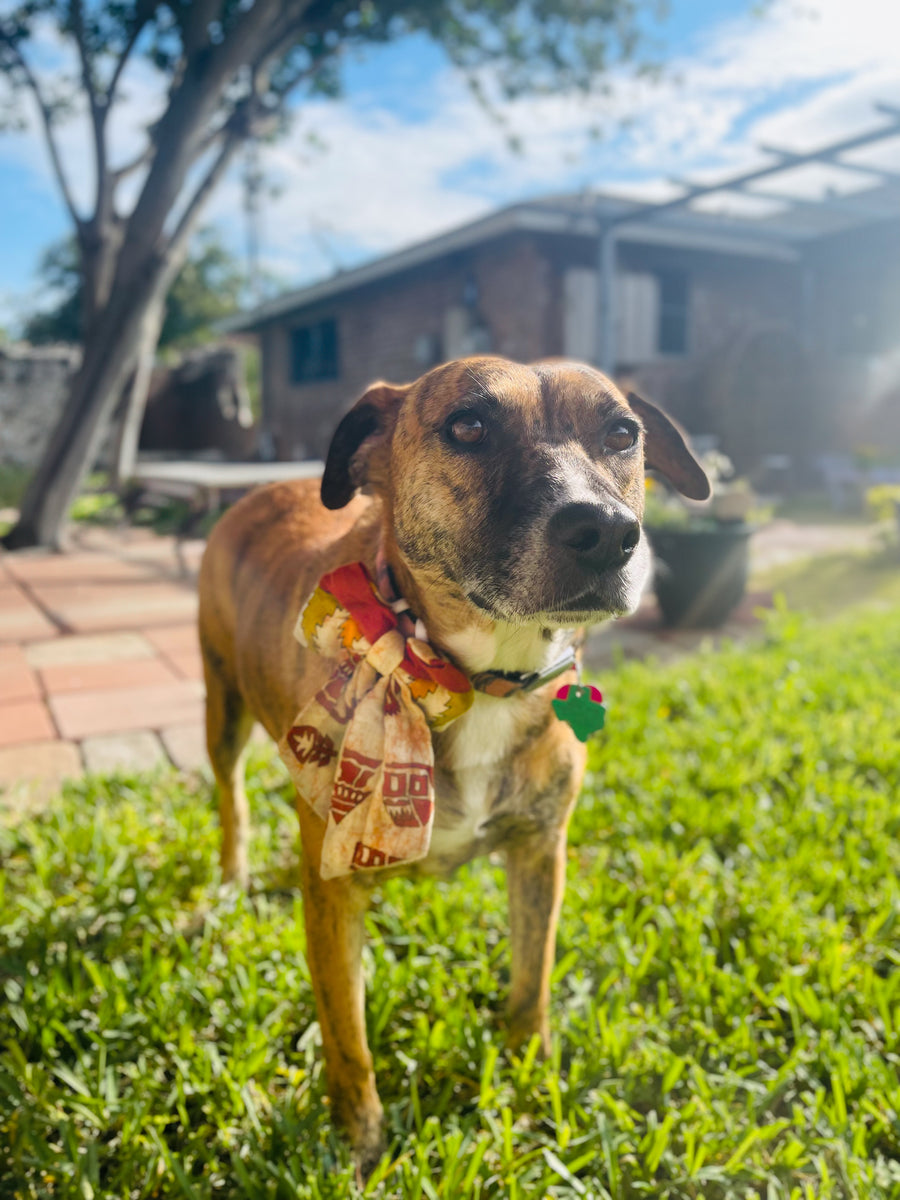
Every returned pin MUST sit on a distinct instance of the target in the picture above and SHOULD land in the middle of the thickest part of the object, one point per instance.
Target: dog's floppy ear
(666, 451)
(366, 426)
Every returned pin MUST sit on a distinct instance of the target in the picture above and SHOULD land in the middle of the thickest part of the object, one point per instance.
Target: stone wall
(199, 405)
(33, 382)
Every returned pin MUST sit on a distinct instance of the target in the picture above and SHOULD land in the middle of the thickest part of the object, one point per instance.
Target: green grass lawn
(98, 504)
(727, 995)
(830, 583)
(13, 481)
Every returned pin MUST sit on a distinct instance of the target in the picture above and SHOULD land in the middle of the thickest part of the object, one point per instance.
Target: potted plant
(701, 551)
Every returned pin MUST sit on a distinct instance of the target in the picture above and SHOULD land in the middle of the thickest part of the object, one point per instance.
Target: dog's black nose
(600, 536)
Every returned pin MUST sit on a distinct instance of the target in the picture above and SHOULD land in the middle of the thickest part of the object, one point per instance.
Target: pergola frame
(788, 160)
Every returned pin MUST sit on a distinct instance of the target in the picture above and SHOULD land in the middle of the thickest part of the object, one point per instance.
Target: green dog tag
(581, 708)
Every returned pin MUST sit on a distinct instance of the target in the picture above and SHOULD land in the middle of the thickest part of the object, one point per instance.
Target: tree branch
(282, 35)
(142, 14)
(180, 132)
(209, 139)
(295, 19)
(249, 41)
(136, 163)
(203, 145)
(76, 17)
(178, 241)
(46, 115)
(202, 15)
(96, 107)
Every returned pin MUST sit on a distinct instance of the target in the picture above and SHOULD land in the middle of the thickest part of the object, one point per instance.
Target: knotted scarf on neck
(360, 752)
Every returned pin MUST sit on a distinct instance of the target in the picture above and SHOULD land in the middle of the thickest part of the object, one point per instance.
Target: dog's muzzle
(586, 561)
(595, 537)
(597, 559)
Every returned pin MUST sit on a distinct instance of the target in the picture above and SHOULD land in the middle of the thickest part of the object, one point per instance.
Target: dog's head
(523, 486)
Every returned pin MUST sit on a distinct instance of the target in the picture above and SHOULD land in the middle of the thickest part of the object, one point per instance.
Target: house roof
(555, 215)
(774, 225)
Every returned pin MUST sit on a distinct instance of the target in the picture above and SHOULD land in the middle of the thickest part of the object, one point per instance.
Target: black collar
(505, 683)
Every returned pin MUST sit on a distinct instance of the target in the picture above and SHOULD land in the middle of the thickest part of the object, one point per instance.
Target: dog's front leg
(334, 915)
(536, 875)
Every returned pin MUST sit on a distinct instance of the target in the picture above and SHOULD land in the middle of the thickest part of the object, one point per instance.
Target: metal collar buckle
(538, 678)
(501, 684)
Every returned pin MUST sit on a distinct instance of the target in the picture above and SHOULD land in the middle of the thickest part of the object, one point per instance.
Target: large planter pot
(701, 574)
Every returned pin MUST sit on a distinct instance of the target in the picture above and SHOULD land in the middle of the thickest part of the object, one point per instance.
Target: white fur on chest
(480, 742)
(485, 735)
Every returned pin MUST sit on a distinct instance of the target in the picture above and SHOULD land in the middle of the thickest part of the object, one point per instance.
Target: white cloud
(801, 75)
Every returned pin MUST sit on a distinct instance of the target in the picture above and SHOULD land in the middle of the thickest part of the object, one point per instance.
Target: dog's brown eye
(467, 429)
(621, 436)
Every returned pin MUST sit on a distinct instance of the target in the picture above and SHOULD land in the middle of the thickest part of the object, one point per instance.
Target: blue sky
(408, 153)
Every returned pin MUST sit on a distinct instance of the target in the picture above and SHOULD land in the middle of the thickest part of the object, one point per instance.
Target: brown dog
(507, 500)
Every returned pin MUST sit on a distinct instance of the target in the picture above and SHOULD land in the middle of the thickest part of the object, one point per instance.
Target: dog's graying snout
(600, 536)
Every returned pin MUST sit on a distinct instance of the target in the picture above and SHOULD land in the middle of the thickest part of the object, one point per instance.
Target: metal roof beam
(833, 158)
(882, 173)
(832, 203)
(787, 161)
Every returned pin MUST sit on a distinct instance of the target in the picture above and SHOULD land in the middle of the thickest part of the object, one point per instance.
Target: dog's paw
(362, 1123)
(235, 875)
(368, 1145)
(367, 1159)
(519, 1035)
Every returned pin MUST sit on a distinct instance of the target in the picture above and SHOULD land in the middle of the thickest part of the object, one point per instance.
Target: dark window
(314, 352)
(672, 335)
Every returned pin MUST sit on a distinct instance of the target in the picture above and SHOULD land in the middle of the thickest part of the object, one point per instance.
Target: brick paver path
(100, 668)
(99, 663)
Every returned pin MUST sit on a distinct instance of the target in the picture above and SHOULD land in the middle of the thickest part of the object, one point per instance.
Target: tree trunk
(137, 262)
(99, 243)
(112, 350)
(135, 399)
(110, 356)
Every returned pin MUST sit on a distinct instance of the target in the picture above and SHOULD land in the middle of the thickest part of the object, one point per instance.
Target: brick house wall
(745, 351)
(381, 325)
(515, 286)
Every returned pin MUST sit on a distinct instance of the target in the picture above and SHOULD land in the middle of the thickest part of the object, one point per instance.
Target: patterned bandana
(374, 718)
